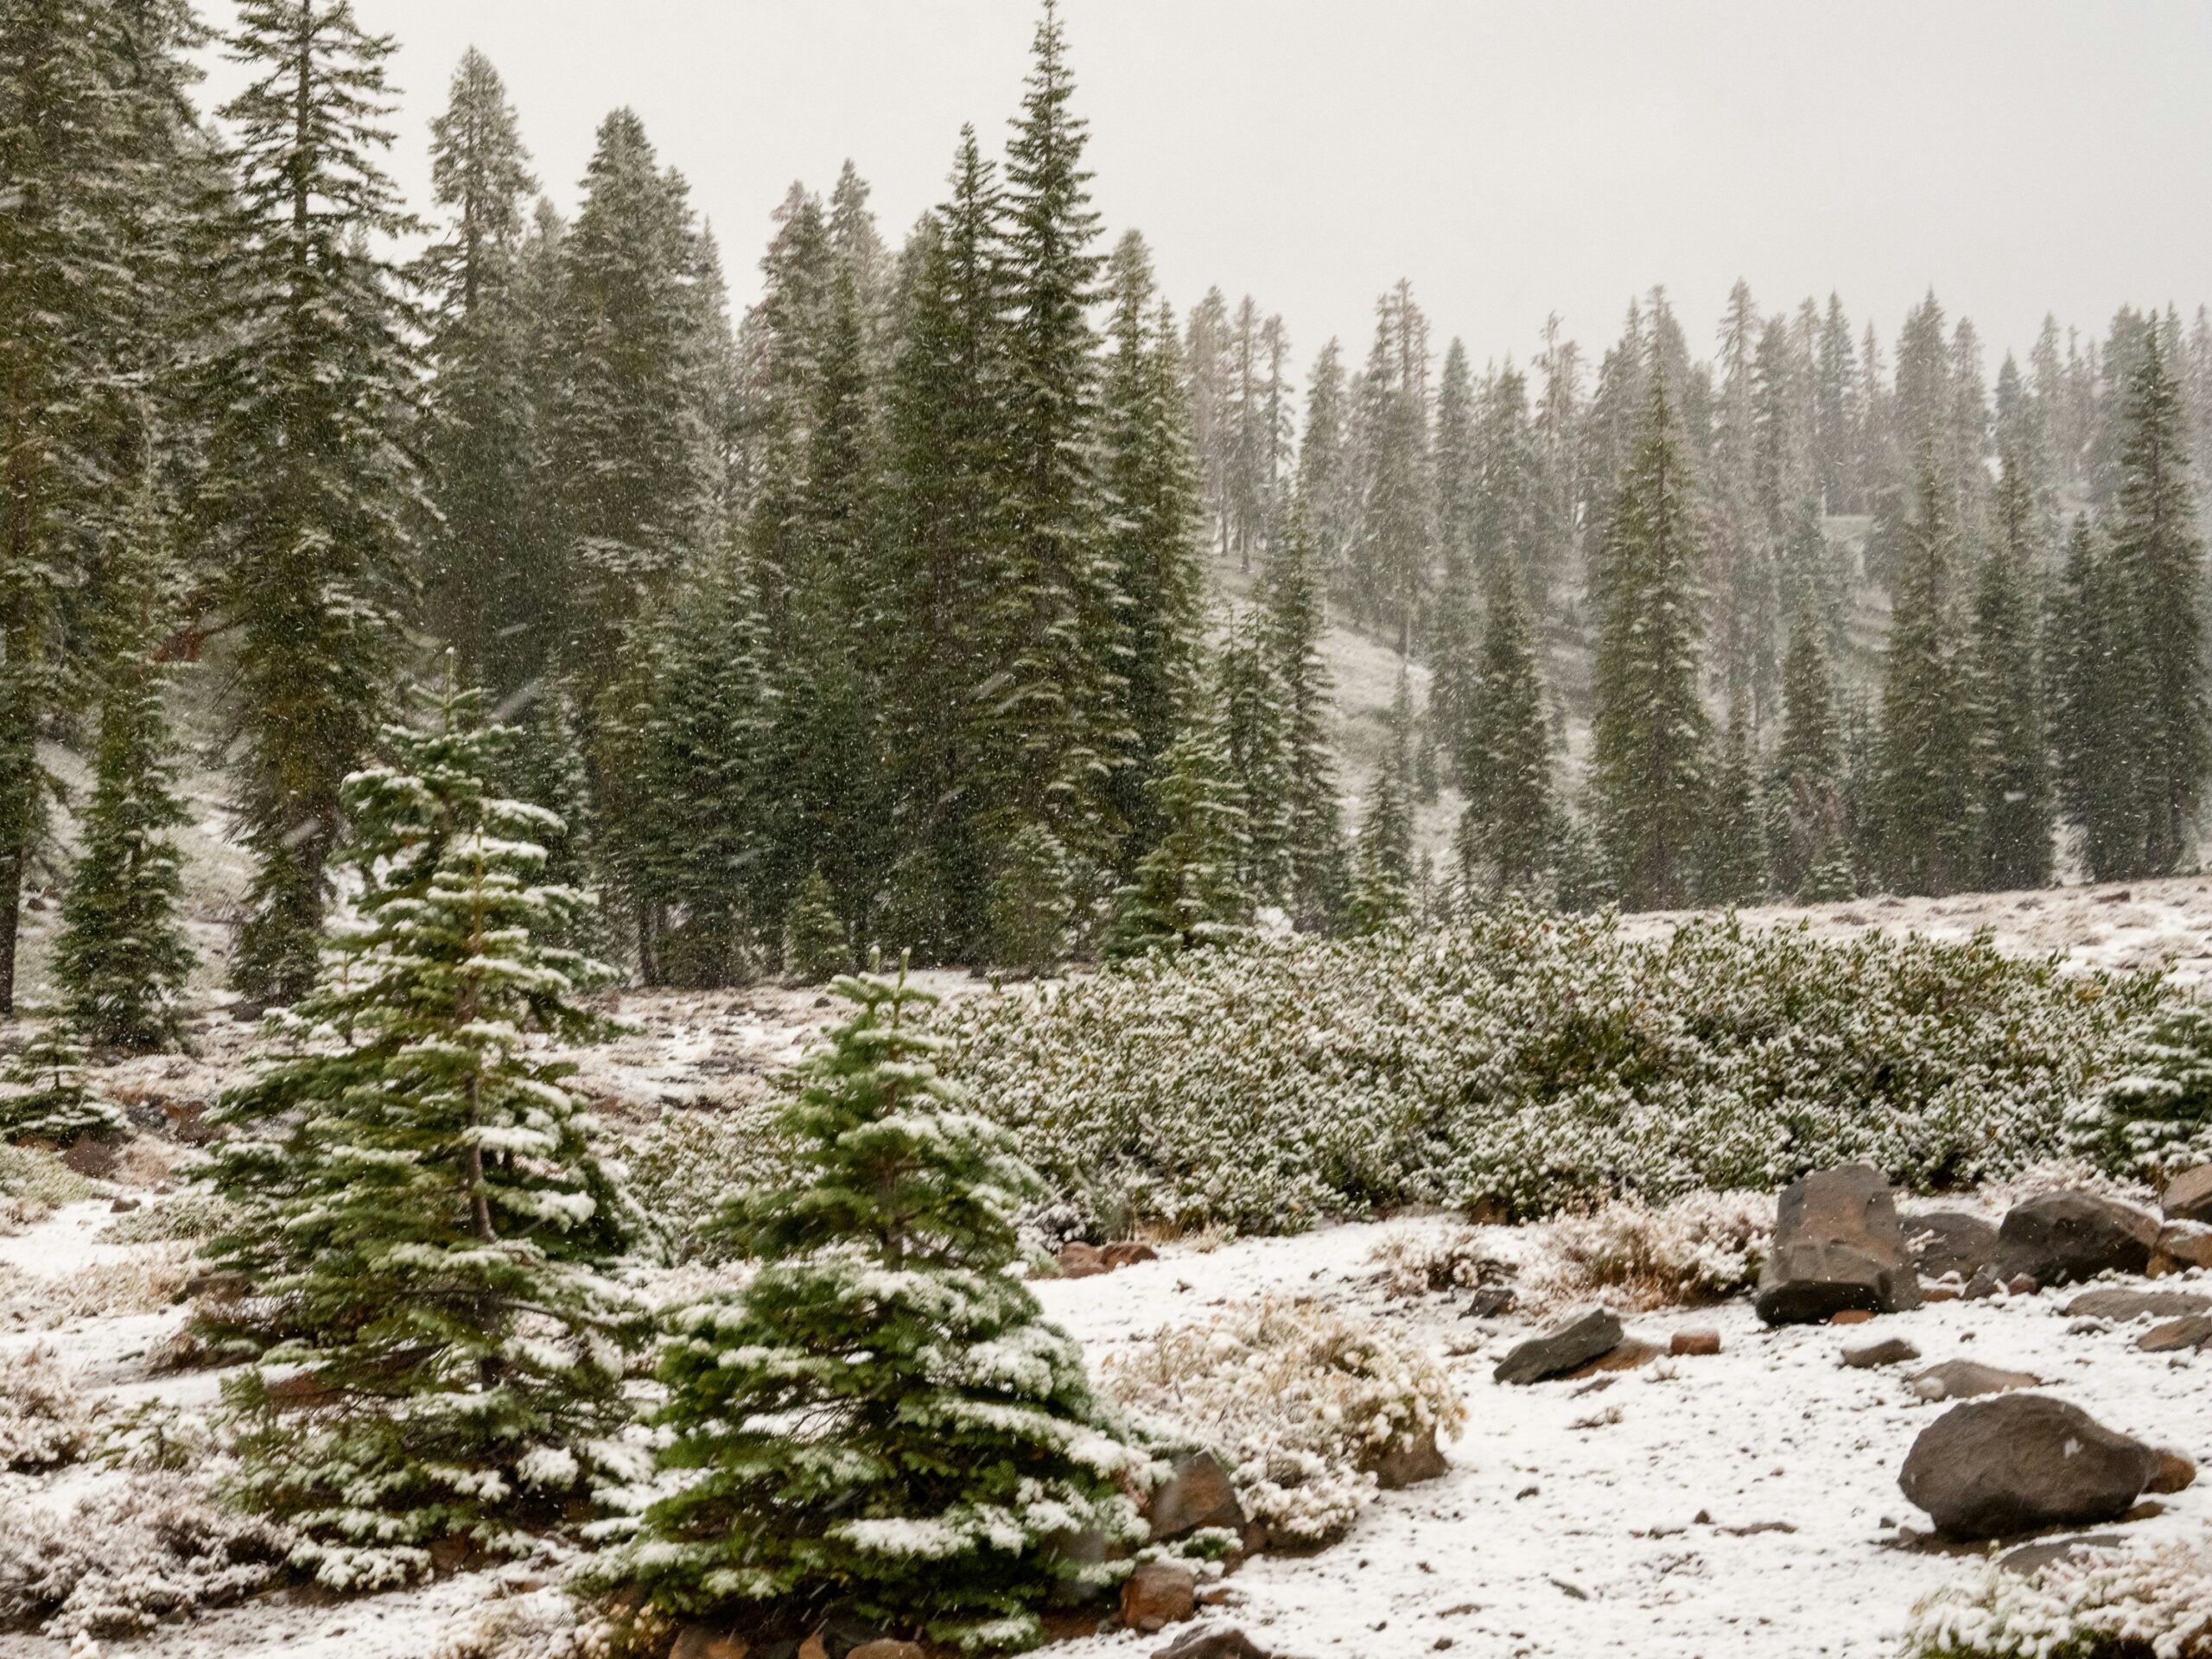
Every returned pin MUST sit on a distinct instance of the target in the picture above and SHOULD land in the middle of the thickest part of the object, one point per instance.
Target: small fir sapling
(880, 1423)
(53, 1106)
(421, 1196)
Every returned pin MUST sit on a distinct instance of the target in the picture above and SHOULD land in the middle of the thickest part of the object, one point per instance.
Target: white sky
(2022, 155)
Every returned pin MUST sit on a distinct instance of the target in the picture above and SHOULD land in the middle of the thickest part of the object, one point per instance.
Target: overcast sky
(1512, 160)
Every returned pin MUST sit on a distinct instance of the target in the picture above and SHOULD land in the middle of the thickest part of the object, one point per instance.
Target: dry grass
(153, 1278)
(1701, 1248)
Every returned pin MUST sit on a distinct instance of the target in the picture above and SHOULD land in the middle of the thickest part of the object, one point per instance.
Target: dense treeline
(960, 596)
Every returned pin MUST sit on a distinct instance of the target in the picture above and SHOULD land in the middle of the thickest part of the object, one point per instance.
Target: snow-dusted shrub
(195, 1214)
(1535, 1059)
(1303, 1401)
(687, 1162)
(543, 1623)
(2105, 1605)
(45, 1418)
(124, 1559)
(1699, 1248)
(152, 1279)
(36, 1182)
(1421, 1262)
(2155, 1118)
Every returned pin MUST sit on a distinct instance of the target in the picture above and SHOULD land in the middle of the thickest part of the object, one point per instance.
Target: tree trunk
(11, 910)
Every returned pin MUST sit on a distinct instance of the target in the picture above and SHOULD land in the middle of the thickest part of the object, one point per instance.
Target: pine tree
(1733, 868)
(1327, 483)
(1929, 798)
(1648, 761)
(2159, 558)
(312, 497)
(1809, 837)
(1189, 889)
(1390, 553)
(816, 945)
(1453, 697)
(2012, 759)
(2097, 701)
(544, 767)
(2153, 1119)
(1152, 492)
(1031, 913)
(1511, 819)
(423, 1195)
(122, 960)
(930, 1478)
(1314, 855)
(1381, 889)
(54, 1105)
(1256, 756)
(489, 584)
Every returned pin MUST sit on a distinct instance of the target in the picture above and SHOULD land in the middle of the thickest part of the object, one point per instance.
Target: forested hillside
(964, 596)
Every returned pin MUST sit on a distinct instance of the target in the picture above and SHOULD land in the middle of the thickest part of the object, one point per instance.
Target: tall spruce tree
(2012, 758)
(1733, 870)
(1927, 796)
(1511, 819)
(1255, 717)
(2097, 701)
(1807, 835)
(1649, 732)
(487, 582)
(1291, 588)
(312, 500)
(419, 1190)
(1189, 889)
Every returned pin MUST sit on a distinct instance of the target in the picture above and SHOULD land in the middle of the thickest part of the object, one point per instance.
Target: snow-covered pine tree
(1733, 868)
(1389, 553)
(2094, 703)
(949, 1435)
(312, 499)
(1511, 816)
(1806, 830)
(816, 945)
(544, 766)
(1152, 492)
(1189, 888)
(1927, 796)
(1255, 716)
(2154, 1118)
(1650, 730)
(53, 1104)
(1381, 889)
(2012, 756)
(1328, 483)
(1291, 591)
(1453, 698)
(489, 586)
(121, 960)
(423, 1196)
(1030, 911)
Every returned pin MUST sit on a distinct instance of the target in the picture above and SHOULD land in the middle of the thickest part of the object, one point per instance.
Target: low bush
(194, 1215)
(2154, 1118)
(45, 1420)
(684, 1164)
(1303, 1404)
(1700, 1248)
(123, 1561)
(1422, 1262)
(34, 1183)
(1534, 1061)
(153, 1278)
(2105, 1605)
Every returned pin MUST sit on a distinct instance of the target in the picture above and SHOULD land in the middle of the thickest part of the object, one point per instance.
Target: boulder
(2188, 1196)
(1838, 1244)
(2031, 1558)
(2057, 1238)
(2177, 1336)
(701, 1641)
(1410, 1462)
(1990, 1468)
(2120, 1304)
(1697, 1340)
(1213, 1644)
(1892, 1351)
(1962, 1379)
(1196, 1494)
(1158, 1594)
(1950, 1241)
(1576, 1343)
(1984, 1285)
(1081, 1261)
(2181, 1245)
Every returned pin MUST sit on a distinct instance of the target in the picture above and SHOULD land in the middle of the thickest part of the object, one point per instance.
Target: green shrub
(1535, 1059)
(2155, 1117)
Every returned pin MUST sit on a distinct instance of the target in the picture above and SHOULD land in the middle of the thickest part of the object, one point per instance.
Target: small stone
(2177, 1336)
(2021, 1284)
(700, 1641)
(2188, 1196)
(1561, 1349)
(2185, 1244)
(1981, 1286)
(1940, 1293)
(1213, 1644)
(2120, 1304)
(1081, 1261)
(1851, 1315)
(1627, 1354)
(1196, 1494)
(1158, 1594)
(2176, 1472)
(1699, 1340)
(1410, 1462)
(887, 1648)
(1950, 1241)
(1964, 1379)
(1892, 1351)
(123, 1206)
(1488, 1302)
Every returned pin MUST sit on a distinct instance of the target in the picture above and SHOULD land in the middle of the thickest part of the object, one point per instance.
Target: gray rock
(2177, 1336)
(2057, 1238)
(1196, 1494)
(1838, 1244)
(2183, 1244)
(1950, 1241)
(1410, 1462)
(1962, 1379)
(2188, 1196)
(2031, 1558)
(1991, 1468)
(1213, 1644)
(2121, 1304)
(1891, 1350)
(1560, 1349)
(1984, 1285)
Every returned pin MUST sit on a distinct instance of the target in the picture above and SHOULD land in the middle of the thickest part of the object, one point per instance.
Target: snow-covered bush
(1303, 1401)
(686, 1163)
(1534, 1059)
(1699, 1248)
(124, 1559)
(32, 1183)
(153, 1278)
(194, 1215)
(45, 1418)
(1422, 1262)
(2155, 1118)
(2103, 1605)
